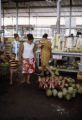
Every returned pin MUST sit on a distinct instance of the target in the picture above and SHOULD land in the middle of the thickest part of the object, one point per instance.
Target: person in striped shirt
(13, 67)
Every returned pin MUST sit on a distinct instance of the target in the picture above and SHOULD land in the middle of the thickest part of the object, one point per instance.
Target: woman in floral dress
(28, 58)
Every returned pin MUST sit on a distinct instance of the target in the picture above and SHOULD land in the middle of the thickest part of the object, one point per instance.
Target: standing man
(15, 46)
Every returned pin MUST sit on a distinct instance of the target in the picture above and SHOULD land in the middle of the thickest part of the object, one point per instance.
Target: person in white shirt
(28, 58)
(15, 45)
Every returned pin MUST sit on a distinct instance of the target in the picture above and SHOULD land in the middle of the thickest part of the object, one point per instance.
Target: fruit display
(77, 50)
(73, 65)
(59, 86)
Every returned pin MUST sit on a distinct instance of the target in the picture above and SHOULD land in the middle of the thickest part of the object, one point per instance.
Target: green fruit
(60, 94)
(80, 90)
(73, 95)
(68, 97)
(77, 86)
(56, 73)
(70, 90)
(49, 92)
(54, 92)
(73, 85)
(68, 80)
(64, 91)
(74, 90)
(73, 81)
(66, 85)
(70, 84)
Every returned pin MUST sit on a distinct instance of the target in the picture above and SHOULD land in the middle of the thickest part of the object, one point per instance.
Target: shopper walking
(45, 45)
(15, 45)
(28, 58)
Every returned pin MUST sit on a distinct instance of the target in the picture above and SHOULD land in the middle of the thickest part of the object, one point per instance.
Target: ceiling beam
(63, 6)
(26, 0)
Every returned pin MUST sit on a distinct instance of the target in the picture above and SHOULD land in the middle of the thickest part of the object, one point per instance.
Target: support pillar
(70, 18)
(29, 18)
(16, 17)
(58, 15)
(3, 22)
(0, 15)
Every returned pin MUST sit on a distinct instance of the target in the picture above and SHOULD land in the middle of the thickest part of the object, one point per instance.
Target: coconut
(73, 85)
(68, 80)
(75, 90)
(70, 90)
(56, 73)
(73, 81)
(66, 85)
(49, 92)
(77, 86)
(74, 95)
(68, 96)
(54, 92)
(60, 94)
(80, 90)
(64, 91)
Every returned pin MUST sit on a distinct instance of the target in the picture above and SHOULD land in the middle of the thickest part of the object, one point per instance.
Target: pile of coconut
(59, 86)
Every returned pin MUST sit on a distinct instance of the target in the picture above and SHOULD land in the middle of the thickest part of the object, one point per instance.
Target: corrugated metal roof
(41, 7)
(40, 3)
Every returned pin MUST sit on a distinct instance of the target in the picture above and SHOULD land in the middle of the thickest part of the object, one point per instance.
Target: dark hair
(45, 35)
(16, 35)
(30, 36)
(71, 35)
(79, 33)
(14, 54)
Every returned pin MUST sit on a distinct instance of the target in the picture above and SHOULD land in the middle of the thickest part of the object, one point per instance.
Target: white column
(16, 17)
(58, 15)
(70, 18)
(29, 17)
(3, 22)
(0, 14)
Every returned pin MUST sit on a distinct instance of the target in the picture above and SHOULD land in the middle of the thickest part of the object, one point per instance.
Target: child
(13, 67)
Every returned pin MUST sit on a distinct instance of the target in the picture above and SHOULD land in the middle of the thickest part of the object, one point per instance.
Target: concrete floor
(28, 102)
